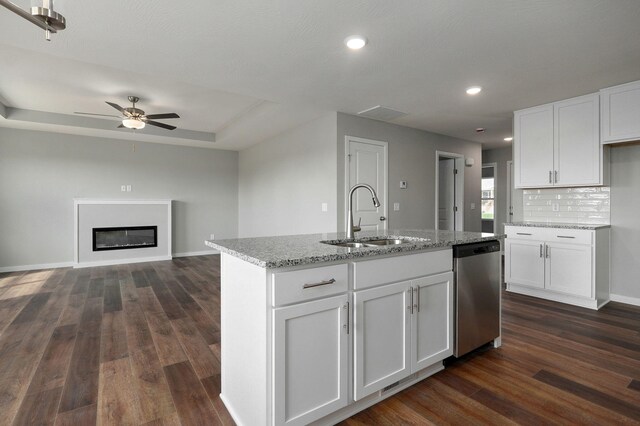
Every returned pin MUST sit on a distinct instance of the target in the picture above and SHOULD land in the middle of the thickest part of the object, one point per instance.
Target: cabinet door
(524, 262)
(432, 320)
(310, 355)
(382, 333)
(533, 147)
(577, 141)
(569, 269)
(620, 112)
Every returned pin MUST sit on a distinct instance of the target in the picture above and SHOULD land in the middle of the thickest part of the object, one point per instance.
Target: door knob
(382, 218)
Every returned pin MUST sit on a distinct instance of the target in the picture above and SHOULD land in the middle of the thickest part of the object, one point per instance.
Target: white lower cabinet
(399, 329)
(311, 357)
(566, 265)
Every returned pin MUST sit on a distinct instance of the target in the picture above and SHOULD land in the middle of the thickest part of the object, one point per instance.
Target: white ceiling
(249, 69)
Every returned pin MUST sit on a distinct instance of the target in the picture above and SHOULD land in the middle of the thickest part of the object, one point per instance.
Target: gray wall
(625, 227)
(41, 173)
(412, 158)
(284, 181)
(501, 156)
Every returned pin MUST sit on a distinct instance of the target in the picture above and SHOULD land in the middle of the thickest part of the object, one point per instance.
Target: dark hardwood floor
(140, 344)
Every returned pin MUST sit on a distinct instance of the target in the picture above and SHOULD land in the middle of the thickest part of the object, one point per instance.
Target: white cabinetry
(558, 144)
(566, 265)
(311, 357)
(400, 329)
(620, 109)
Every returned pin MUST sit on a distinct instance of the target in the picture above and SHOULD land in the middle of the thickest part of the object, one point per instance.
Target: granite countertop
(293, 250)
(586, 226)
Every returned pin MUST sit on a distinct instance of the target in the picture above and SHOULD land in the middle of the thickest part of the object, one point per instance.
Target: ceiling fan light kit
(133, 123)
(43, 16)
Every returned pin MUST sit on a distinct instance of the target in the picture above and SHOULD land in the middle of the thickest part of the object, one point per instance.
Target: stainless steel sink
(368, 243)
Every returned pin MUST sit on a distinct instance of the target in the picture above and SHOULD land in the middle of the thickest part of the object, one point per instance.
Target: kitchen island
(315, 332)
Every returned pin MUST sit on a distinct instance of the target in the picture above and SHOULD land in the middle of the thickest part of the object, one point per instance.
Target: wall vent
(391, 386)
(381, 113)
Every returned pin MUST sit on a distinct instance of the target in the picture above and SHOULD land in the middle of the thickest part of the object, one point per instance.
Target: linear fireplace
(125, 237)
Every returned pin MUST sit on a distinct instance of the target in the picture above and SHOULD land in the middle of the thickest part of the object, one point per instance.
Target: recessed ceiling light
(355, 42)
(509, 139)
(474, 90)
(480, 129)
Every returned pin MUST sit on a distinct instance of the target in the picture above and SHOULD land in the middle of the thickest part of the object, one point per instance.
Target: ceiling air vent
(381, 113)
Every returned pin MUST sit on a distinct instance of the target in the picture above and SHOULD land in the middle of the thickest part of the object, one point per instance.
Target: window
(488, 196)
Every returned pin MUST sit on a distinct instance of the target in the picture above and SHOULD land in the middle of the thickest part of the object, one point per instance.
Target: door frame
(510, 189)
(385, 145)
(459, 187)
(494, 166)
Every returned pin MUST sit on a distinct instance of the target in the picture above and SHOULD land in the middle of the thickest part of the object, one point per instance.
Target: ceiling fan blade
(161, 116)
(119, 108)
(157, 124)
(98, 115)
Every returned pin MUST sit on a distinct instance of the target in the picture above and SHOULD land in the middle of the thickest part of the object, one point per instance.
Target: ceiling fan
(135, 118)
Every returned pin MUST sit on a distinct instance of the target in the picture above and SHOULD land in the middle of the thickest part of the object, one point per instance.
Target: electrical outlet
(396, 207)
(473, 206)
(555, 207)
(212, 236)
(403, 184)
(324, 207)
(128, 188)
(123, 188)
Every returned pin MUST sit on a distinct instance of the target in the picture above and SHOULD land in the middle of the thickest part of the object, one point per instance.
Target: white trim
(35, 267)
(625, 299)
(493, 165)
(459, 183)
(347, 170)
(121, 261)
(77, 202)
(510, 189)
(196, 253)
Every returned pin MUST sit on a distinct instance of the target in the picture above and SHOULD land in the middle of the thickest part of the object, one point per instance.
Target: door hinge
(349, 156)
(455, 171)
(455, 208)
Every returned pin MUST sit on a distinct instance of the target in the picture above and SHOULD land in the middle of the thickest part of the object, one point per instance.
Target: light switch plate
(396, 207)
(403, 184)
(123, 188)
(324, 207)
(128, 188)
(473, 206)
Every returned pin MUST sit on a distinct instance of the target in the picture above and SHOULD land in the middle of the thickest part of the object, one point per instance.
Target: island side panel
(244, 340)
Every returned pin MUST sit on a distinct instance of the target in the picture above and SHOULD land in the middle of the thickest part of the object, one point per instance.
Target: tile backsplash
(574, 205)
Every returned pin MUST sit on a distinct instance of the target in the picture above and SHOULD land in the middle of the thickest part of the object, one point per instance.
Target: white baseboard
(625, 299)
(35, 267)
(121, 261)
(196, 253)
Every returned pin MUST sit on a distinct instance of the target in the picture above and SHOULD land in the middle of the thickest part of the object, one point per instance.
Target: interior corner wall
(42, 172)
(412, 156)
(285, 180)
(500, 156)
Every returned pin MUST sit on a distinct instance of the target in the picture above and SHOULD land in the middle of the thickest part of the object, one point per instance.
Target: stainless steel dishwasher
(476, 268)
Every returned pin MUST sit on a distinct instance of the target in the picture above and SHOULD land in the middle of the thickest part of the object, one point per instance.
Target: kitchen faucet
(376, 203)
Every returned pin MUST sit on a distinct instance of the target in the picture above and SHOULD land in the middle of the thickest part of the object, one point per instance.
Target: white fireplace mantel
(104, 213)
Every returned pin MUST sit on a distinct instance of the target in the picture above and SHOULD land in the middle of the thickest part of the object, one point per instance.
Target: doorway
(488, 198)
(449, 199)
(366, 162)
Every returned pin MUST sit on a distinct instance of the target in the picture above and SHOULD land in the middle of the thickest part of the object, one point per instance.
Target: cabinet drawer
(307, 284)
(370, 273)
(570, 236)
(526, 232)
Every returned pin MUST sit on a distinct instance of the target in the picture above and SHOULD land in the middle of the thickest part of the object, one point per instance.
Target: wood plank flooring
(140, 344)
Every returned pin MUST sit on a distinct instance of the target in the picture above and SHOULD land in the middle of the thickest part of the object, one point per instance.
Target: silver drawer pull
(522, 233)
(564, 236)
(331, 281)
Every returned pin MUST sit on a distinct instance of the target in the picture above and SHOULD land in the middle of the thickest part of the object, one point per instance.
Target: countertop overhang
(560, 225)
(295, 250)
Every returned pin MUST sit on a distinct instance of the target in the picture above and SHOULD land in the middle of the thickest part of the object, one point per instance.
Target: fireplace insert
(127, 237)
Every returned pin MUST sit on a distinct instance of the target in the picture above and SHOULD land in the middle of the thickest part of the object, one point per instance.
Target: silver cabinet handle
(410, 307)
(348, 324)
(564, 236)
(382, 218)
(522, 233)
(555, 178)
(550, 177)
(541, 250)
(331, 281)
(418, 299)
(547, 251)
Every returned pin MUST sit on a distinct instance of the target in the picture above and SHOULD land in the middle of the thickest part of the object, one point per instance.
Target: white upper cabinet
(620, 113)
(558, 144)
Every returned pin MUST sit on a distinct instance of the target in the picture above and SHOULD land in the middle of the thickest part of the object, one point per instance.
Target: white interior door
(367, 161)
(446, 194)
